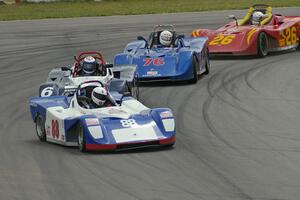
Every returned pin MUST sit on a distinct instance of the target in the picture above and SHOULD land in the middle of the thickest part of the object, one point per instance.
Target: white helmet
(99, 95)
(89, 65)
(257, 17)
(165, 38)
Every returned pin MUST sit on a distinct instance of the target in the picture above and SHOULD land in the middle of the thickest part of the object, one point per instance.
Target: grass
(88, 8)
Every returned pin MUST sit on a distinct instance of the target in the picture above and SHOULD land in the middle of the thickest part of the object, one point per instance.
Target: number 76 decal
(222, 40)
(155, 61)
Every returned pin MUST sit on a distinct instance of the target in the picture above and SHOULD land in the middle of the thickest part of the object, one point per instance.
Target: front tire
(207, 63)
(135, 90)
(40, 128)
(262, 45)
(81, 138)
(195, 63)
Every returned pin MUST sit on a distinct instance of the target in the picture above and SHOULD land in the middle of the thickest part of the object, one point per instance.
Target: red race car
(258, 33)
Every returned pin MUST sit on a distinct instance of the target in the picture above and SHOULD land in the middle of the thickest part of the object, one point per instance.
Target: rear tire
(81, 138)
(40, 128)
(207, 63)
(195, 63)
(262, 45)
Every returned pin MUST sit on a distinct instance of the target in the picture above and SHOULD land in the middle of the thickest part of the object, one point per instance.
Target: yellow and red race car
(258, 33)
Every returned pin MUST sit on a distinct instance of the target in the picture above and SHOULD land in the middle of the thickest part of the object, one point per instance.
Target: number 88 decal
(55, 129)
(128, 123)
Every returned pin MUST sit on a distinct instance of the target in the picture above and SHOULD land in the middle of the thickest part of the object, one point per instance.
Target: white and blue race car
(185, 59)
(128, 124)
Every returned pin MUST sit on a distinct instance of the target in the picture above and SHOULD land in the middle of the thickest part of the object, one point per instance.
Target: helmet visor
(100, 96)
(89, 67)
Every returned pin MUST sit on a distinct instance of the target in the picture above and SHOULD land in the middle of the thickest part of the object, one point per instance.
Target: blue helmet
(89, 65)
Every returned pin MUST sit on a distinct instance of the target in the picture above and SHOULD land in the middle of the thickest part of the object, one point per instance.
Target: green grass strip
(64, 9)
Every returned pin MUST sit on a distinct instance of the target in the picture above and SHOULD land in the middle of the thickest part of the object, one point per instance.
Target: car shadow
(46, 146)
(250, 57)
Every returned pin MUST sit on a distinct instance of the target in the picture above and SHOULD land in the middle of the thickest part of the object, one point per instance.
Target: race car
(90, 66)
(259, 33)
(167, 56)
(128, 124)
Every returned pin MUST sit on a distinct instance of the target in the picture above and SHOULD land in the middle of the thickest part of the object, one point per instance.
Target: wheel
(207, 63)
(81, 138)
(298, 47)
(40, 128)
(262, 45)
(195, 63)
(135, 90)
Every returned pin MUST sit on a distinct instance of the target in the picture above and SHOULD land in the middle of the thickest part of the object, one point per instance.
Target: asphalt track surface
(237, 128)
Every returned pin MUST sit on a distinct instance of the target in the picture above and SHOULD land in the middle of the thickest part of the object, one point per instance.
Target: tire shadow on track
(250, 57)
(169, 83)
(47, 146)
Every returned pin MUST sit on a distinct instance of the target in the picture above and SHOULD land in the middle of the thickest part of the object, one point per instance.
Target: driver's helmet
(165, 38)
(257, 16)
(89, 65)
(99, 95)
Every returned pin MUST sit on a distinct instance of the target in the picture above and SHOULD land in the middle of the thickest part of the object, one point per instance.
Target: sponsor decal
(152, 73)
(166, 114)
(62, 137)
(48, 130)
(116, 111)
(92, 121)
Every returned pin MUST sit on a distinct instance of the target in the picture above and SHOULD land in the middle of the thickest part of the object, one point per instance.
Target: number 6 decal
(47, 92)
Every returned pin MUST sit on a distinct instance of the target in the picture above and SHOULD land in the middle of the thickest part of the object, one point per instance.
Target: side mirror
(234, 18)
(231, 17)
(142, 38)
(65, 69)
(109, 65)
(126, 94)
(75, 58)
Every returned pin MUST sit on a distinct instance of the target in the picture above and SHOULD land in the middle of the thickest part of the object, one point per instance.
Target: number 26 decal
(222, 40)
(155, 61)
(290, 35)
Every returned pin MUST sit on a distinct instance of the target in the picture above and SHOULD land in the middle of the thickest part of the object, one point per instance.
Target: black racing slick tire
(298, 47)
(262, 45)
(81, 138)
(207, 63)
(195, 74)
(135, 90)
(40, 128)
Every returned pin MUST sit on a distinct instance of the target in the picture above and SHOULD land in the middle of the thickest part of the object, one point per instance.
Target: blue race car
(124, 124)
(180, 60)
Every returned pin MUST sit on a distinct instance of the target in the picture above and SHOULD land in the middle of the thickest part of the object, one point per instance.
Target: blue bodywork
(153, 117)
(172, 64)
